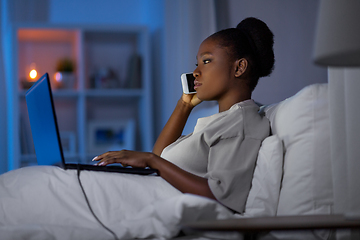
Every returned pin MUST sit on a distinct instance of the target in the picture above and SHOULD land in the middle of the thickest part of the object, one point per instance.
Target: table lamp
(337, 41)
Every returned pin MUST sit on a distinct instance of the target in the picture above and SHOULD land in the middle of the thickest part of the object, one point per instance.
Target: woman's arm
(179, 178)
(176, 123)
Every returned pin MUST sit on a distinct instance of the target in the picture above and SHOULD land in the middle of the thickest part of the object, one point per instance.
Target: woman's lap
(51, 195)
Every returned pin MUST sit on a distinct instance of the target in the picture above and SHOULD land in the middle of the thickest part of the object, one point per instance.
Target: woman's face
(214, 72)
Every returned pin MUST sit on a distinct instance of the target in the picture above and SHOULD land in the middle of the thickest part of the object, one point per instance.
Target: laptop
(45, 132)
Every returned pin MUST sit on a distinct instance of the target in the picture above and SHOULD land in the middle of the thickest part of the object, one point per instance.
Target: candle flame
(33, 75)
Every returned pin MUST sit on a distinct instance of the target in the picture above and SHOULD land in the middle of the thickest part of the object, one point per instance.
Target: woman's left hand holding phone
(191, 99)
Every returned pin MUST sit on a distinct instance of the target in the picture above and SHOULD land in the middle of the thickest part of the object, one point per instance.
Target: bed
(292, 177)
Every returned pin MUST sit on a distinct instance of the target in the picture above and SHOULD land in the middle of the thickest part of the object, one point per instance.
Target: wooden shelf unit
(120, 53)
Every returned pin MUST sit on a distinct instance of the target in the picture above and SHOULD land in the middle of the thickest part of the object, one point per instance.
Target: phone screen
(190, 80)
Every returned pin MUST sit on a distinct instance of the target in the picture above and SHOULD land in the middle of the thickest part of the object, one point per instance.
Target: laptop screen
(43, 123)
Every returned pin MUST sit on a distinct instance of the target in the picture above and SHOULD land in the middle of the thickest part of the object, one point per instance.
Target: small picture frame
(114, 135)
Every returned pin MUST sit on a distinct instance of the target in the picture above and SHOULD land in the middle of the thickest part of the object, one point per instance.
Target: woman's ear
(240, 67)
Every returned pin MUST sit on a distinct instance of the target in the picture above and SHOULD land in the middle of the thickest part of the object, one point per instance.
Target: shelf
(46, 35)
(43, 48)
(57, 93)
(115, 93)
(106, 93)
(112, 83)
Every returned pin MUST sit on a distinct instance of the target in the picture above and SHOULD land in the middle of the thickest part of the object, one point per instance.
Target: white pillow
(302, 123)
(264, 193)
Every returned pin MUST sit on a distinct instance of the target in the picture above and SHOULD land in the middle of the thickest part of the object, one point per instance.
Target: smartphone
(187, 81)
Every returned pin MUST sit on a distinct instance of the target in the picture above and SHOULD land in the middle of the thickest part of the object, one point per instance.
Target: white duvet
(46, 202)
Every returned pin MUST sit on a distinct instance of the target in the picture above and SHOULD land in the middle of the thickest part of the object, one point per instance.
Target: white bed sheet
(45, 202)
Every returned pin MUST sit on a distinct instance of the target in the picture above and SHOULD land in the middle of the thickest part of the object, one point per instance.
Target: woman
(217, 160)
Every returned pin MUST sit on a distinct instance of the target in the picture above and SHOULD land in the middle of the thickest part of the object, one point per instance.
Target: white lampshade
(337, 41)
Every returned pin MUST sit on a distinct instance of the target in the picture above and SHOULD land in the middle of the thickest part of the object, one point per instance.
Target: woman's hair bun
(263, 41)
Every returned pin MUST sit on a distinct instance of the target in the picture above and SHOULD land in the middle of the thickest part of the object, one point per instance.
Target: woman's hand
(190, 99)
(125, 157)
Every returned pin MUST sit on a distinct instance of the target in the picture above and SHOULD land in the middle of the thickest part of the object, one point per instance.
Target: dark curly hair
(253, 40)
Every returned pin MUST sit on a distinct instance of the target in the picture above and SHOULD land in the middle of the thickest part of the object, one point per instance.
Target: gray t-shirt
(223, 148)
